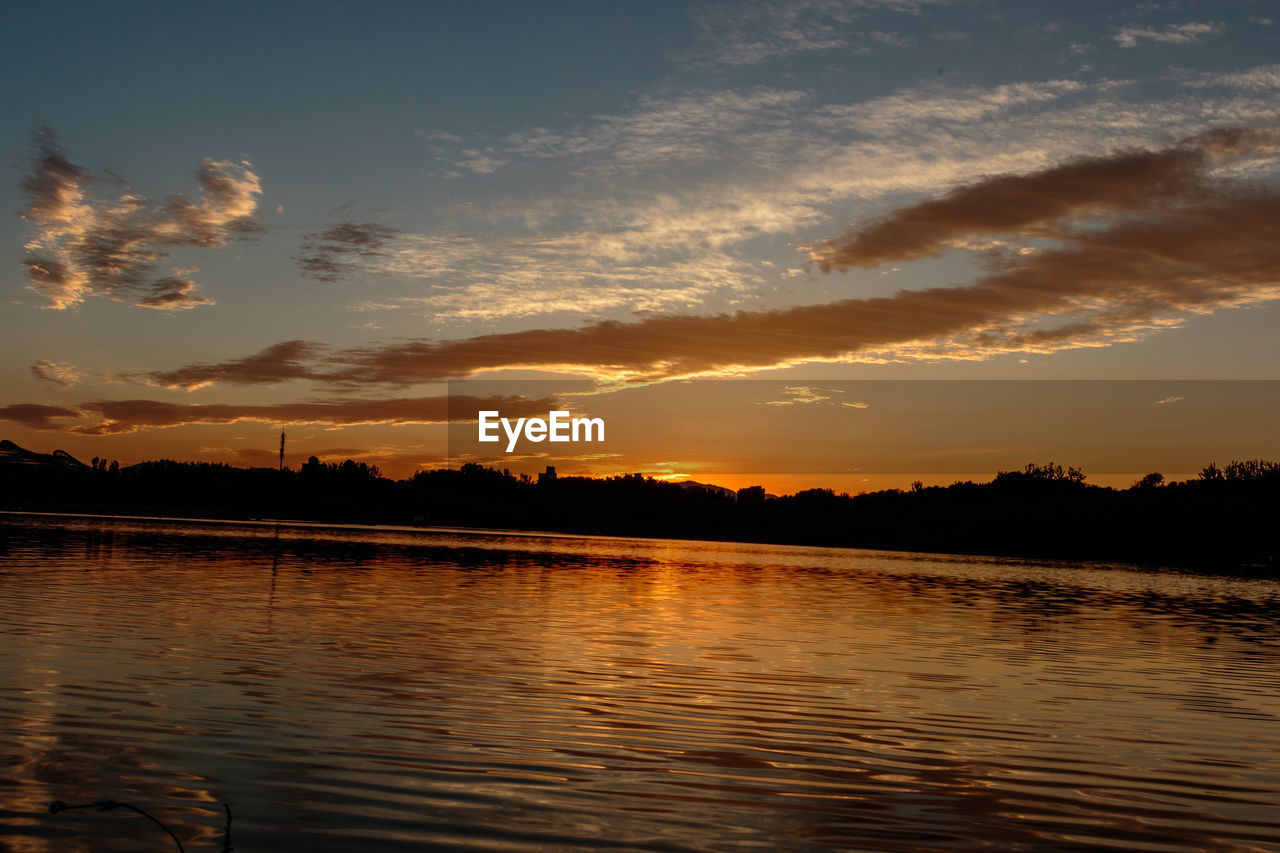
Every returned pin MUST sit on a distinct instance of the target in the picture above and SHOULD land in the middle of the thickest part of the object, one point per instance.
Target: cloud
(85, 245)
(670, 347)
(1130, 263)
(1172, 34)
(700, 180)
(1167, 400)
(126, 416)
(277, 363)
(906, 110)
(662, 131)
(329, 255)
(1124, 263)
(809, 395)
(697, 181)
(802, 394)
(482, 162)
(173, 294)
(60, 373)
(1038, 204)
(584, 273)
(37, 416)
(750, 32)
(1260, 78)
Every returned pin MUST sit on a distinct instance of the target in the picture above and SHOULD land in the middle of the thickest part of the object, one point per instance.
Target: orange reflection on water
(354, 688)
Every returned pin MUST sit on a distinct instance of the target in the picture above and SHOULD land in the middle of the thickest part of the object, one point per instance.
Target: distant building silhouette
(548, 475)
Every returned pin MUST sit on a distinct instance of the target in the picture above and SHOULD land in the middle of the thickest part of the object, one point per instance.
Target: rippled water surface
(377, 690)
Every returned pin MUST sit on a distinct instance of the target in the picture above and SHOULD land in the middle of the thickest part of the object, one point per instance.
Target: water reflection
(387, 690)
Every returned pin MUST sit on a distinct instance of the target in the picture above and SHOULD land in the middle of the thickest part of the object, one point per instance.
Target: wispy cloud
(796, 395)
(953, 106)
(1123, 264)
(584, 273)
(1172, 34)
(1167, 400)
(1190, 244)
(481, 162)
(124, 416)
(747, 33)
(699, 181)
(173, 294)
(644, 250)
(808, 395)
(60, 373)
(662, 131)
(85, 245)
(1257, 79)
(116, 417)
(329, 255)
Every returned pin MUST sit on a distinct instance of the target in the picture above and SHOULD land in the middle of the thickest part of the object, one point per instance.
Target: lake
(381, 689)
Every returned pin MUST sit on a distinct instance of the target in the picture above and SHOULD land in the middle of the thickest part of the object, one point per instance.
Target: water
(384, 690)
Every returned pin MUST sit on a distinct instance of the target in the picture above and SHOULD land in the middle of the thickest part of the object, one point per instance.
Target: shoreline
(1254, 572)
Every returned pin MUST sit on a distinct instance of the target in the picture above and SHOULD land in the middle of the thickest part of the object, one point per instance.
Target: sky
(228, 221)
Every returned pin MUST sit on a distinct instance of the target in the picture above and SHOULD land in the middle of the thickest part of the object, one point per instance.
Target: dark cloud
(329, 255)
(36, 416)
(1036, 205)
(124, 416)
(85, 245)
(669, 347)
(277, 363)
(1140, 240)
(1218, 249)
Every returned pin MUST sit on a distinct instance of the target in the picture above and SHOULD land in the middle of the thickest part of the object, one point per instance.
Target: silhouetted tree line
(1226, 517)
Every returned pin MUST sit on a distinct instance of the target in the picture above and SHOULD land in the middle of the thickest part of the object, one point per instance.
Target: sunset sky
(229, 219)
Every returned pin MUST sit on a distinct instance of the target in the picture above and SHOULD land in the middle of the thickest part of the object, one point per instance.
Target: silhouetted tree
(1251, 469)
(1225, 518)
(1212, 472)
(1050, 473)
